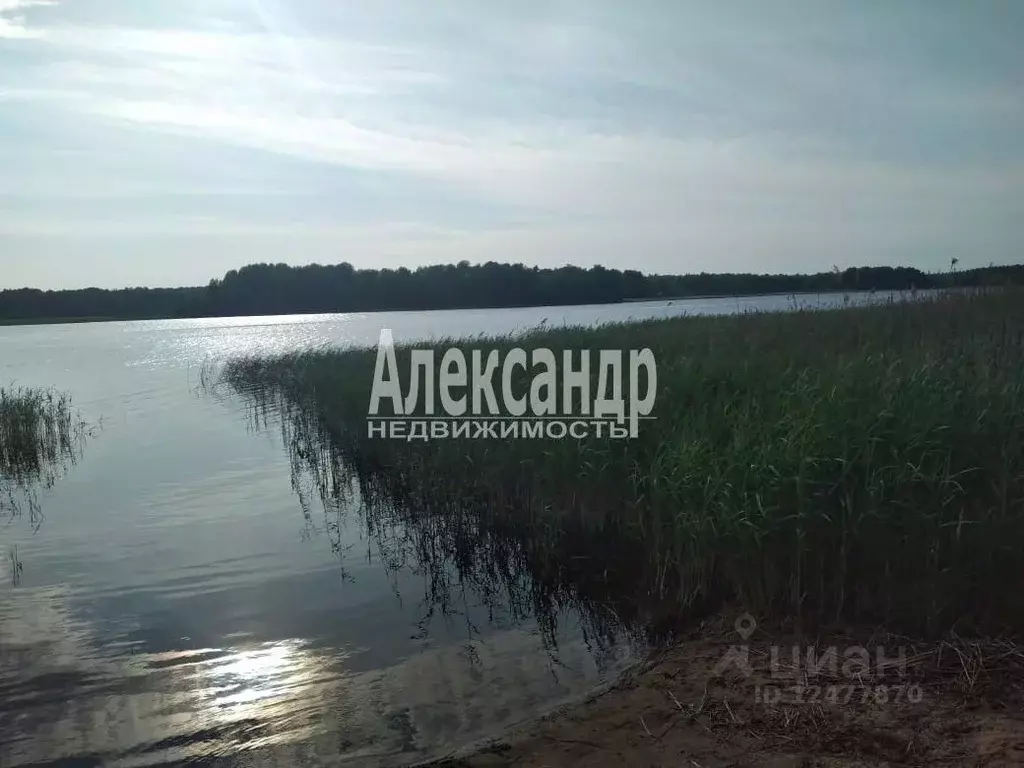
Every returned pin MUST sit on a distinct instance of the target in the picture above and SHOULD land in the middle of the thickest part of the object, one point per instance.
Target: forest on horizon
(271, 289)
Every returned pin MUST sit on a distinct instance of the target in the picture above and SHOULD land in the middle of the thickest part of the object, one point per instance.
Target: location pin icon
(745, 626)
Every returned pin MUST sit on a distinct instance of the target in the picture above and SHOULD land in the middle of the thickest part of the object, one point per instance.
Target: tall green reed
(41, 435)
(863, 464)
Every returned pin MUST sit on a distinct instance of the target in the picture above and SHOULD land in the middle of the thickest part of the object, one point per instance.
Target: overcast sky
(163, 142)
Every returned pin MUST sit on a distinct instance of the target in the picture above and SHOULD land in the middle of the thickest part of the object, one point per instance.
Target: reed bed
(859, 464)
(41, 435)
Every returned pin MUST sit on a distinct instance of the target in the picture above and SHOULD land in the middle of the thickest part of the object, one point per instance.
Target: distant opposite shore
(279, 289)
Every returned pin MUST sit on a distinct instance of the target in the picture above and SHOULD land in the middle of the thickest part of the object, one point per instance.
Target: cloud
(12, 18)
(566, 130)
(16, 8)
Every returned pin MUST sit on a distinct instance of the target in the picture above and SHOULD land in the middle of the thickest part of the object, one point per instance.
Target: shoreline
(18, 322)
(954, 701)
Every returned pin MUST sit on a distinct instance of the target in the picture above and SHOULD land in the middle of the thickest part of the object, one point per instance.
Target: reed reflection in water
(463, 548)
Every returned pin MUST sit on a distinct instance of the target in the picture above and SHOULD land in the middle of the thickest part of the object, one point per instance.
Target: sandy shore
(723, 697)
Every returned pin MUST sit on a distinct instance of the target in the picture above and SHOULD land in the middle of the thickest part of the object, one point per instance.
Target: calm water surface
(180, 601)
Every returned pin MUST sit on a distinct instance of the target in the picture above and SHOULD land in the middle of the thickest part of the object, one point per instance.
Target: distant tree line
(267, 289)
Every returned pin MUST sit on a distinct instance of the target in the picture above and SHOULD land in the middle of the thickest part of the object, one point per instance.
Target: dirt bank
(732, 694)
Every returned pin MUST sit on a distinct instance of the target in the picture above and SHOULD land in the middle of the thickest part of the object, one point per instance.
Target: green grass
(40, 436)
(863, 464)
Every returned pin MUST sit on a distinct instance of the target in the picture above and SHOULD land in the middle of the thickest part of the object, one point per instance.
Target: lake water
(180, 600)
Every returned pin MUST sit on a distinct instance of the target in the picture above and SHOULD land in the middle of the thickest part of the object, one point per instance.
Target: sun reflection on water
(250, 697)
